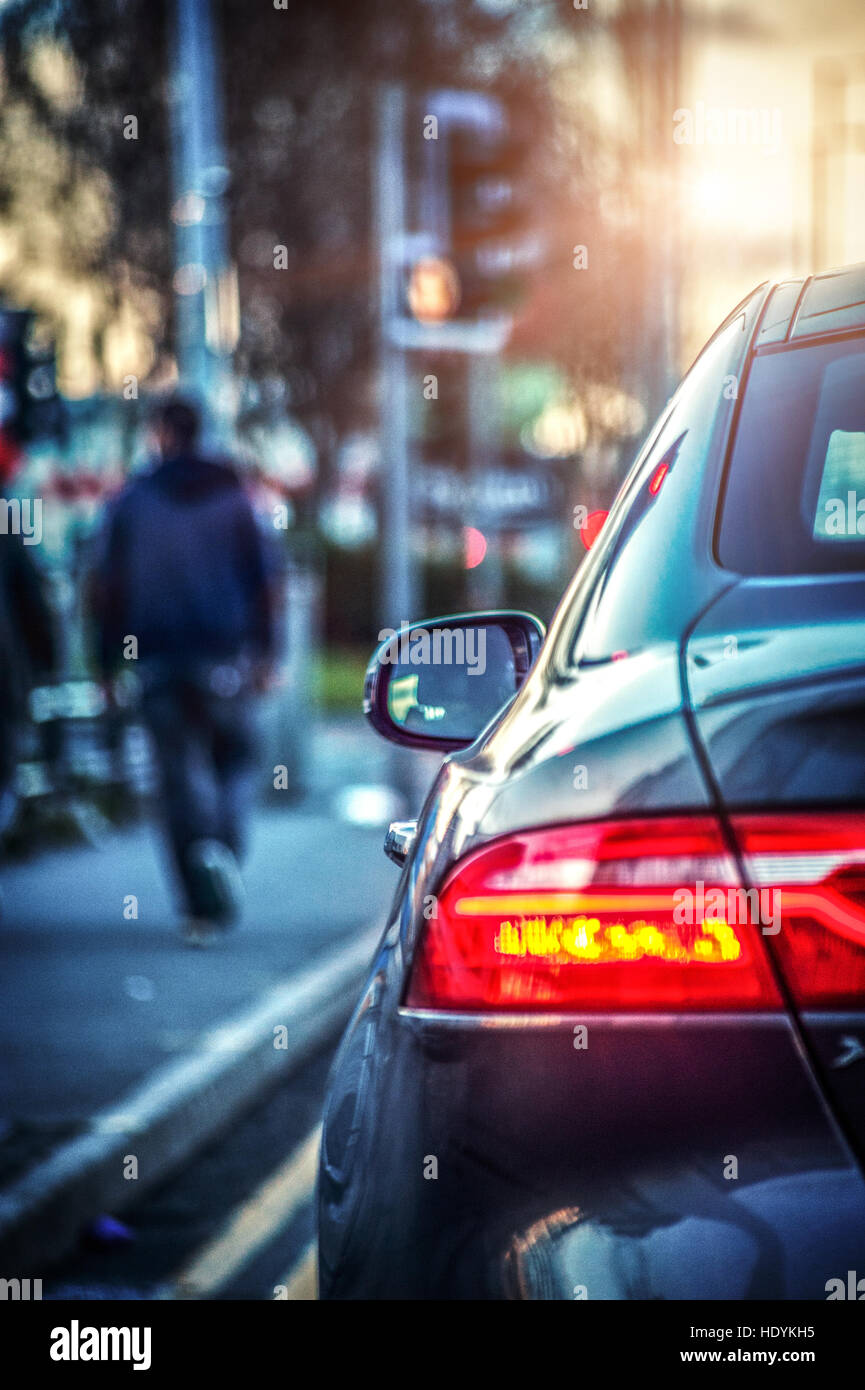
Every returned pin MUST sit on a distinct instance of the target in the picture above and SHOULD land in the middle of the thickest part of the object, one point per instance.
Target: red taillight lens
(814, 867)
(606, 916)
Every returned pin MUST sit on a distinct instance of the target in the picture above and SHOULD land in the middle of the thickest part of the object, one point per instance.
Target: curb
(175, 1111)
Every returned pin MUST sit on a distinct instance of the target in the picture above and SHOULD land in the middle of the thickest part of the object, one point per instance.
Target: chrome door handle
(399, 840)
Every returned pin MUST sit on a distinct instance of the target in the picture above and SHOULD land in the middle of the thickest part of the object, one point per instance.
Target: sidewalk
(91, 1003)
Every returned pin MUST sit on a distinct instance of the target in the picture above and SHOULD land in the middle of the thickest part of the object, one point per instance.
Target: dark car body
(682, 685)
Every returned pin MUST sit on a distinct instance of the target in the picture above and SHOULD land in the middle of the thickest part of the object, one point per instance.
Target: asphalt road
(223, 1222)
(93, 1002)
(90, 1002)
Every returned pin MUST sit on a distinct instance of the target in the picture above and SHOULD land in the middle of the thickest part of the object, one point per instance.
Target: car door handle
(399, 840)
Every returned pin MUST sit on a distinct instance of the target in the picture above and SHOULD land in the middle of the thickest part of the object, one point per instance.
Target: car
(612, 1041)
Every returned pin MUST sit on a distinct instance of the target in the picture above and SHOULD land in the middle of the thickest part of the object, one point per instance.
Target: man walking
(182, 588)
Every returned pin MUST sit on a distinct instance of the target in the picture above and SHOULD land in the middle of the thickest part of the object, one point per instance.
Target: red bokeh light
(590, 532)
(475, 543)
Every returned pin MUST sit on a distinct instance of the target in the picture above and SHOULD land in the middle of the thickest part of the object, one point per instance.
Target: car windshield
(795, 489)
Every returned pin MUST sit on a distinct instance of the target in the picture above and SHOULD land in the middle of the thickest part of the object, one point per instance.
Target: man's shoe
(218, 887)
(198, 932)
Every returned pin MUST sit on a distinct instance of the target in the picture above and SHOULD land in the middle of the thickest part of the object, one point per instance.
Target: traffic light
(495, 236)
(480, 235)
(30, 407)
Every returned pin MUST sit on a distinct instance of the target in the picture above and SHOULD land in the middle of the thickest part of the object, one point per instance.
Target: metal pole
(204, 282)
(397, 588)
(397, 579)
(829, 136)
(485, 580)
(670, 242)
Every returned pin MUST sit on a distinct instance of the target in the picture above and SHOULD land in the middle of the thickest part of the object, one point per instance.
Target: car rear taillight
(813, 866)
(624, 916)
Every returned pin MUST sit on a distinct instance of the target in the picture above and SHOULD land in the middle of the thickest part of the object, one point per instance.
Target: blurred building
(774, 180)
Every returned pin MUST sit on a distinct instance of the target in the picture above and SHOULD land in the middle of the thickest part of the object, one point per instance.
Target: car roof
(819, 306)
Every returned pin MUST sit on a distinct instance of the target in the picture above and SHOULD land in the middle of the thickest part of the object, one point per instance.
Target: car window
(794, 500)
(629, 600)
(842, 471)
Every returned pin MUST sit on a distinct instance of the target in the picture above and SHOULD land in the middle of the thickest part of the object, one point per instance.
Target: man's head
(176, 427)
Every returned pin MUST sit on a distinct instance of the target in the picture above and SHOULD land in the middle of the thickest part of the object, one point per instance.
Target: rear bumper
(669, 1158)
(776, 1239)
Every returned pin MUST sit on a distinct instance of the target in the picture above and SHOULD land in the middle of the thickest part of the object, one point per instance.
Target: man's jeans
(201, 725)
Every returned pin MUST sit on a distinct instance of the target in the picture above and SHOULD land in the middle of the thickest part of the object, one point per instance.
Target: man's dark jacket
(183, 569)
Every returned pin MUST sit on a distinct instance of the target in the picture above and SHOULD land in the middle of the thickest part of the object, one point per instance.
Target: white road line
(300, 1284)
(250, 1226)
(178, 1108)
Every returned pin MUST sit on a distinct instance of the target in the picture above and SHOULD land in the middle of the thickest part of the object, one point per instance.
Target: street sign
(504, 496)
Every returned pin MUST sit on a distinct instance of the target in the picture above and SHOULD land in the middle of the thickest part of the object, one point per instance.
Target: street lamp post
(204, 284)
(397, 580)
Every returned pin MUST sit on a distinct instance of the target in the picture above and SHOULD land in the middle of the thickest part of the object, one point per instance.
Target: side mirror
(438, 684)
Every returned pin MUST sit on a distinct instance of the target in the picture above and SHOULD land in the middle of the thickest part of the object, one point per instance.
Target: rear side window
(795, 490)
(636, 593)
